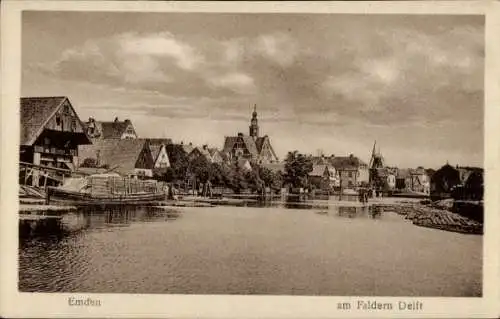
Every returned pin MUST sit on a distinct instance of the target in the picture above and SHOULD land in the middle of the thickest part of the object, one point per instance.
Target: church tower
(254, 126)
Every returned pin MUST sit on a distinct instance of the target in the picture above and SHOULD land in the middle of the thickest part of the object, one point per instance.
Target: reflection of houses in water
(373, 212)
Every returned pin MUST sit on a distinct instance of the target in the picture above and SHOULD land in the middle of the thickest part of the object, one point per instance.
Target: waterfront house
(200, 152)
(346, 171)
(244, 165)
(252, 147)
(352, 171)
(127, 157)
(160, 156)
(51, 132)
(187, 148)
(444, 180)
(101, 130)
(471, 185)
(383, 179)
(216, 156)
(319, 177)
(348, 176)
(413, 180)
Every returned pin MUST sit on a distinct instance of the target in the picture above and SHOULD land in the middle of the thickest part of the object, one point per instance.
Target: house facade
(99, 130)
(200, 152)
(160, 156)
(319, 177)
(252, 147)
(413, 180)
(348, 172)
(51, 132)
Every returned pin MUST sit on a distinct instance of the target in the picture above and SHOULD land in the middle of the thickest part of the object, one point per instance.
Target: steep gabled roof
(35, 112)
(249, 142)
(155, 150)
(121, 154)
(261, 141)
(114, 129)
(243, 163)
(203, 152)
(403, 173)
(213, 151)
(187, 148)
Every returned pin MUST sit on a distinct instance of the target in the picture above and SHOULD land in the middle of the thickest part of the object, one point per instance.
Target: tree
(178, 162)
(200, 168)
(445, 179)
(297, 169)
(270, 179)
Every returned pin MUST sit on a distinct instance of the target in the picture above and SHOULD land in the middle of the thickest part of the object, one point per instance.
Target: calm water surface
(249, 250)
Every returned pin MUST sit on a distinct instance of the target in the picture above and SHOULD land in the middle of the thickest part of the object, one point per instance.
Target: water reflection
(353, 212)
(228, 250)
(92, 217)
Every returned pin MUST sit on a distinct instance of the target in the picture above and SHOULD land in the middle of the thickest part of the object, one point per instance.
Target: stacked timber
(106, 185)
(432, 217)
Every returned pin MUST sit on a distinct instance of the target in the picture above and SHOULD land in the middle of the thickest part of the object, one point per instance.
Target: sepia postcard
(250, 159)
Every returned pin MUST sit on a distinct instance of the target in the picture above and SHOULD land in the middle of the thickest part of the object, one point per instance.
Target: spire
(372, 158)
(254, 126)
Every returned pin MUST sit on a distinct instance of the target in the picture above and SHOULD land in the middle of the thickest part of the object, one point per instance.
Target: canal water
(307, 250)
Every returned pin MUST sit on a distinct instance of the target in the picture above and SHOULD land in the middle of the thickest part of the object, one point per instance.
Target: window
(350, 174)
(58, 120)
(73, 125)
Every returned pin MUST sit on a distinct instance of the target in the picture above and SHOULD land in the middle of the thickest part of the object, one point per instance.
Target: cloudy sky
(333, 83)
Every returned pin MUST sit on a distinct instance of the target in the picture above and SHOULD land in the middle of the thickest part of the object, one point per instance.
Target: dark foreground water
(249, 250)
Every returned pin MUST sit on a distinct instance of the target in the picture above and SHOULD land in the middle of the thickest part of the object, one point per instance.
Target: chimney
(190, 144)
(127, 121)
(240, 134)
(182, 142)
(116, 119)
(205, 146)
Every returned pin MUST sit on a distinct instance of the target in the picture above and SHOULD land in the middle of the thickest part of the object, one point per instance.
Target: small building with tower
(253, 147)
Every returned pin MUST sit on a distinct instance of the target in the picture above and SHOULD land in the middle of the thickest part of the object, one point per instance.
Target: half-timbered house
(51, 132)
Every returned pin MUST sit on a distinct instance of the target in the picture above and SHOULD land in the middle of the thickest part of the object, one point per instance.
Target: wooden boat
(106, 189)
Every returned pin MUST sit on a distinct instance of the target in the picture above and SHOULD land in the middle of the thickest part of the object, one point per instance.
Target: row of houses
(55, 139)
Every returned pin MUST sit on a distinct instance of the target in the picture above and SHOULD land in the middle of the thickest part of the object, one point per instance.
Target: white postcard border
(15, 304)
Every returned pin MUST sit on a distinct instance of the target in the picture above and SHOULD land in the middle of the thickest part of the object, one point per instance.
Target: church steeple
(254, 126)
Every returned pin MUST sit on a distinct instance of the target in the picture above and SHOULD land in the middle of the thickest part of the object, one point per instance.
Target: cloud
(332, 73)
(235, 81)
(278, 47)
(160, 44)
